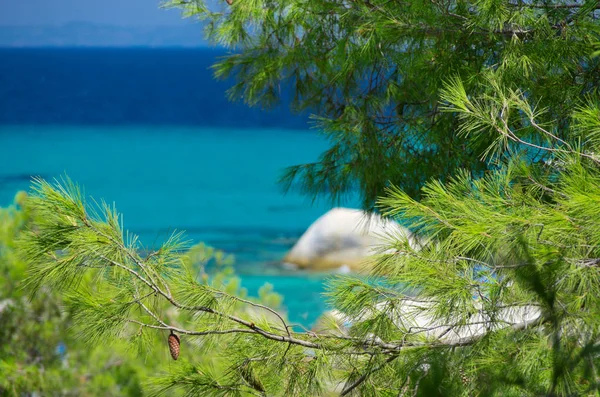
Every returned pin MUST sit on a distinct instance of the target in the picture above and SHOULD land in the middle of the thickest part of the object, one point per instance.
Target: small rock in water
(344, 269)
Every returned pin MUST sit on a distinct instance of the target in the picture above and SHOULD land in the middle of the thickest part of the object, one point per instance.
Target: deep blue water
(150, 130)
(135, 86)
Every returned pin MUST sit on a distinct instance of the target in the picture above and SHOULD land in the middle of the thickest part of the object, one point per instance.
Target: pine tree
(501, 298)
(38, 356)
(41, 353)
(482, 122)
(372, 71)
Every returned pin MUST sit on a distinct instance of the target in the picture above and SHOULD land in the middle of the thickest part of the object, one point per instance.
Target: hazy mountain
(84, 34)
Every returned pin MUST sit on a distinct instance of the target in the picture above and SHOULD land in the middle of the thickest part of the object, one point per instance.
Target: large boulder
(342, 238)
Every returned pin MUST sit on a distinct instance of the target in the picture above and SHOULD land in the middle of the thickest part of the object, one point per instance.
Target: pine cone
(174, 345)
(464, 378)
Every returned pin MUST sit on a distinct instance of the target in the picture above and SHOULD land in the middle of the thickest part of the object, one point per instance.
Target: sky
(113, 12)
(96, 23)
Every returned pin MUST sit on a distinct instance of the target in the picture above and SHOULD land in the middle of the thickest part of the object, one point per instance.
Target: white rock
(414, 317)
(343, 237)
(344, 269)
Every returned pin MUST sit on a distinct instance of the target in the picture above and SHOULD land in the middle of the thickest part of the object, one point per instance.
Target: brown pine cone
(464, 378)
(174, 345)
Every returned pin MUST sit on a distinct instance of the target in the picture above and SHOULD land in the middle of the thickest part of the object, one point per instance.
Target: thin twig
(366, 375)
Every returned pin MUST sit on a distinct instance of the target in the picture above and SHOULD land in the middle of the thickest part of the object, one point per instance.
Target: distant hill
(83, 34)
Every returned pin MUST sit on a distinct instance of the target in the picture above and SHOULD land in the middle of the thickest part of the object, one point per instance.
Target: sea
(152, 131)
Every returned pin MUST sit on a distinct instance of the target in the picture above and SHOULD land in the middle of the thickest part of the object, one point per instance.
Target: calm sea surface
(152, 131)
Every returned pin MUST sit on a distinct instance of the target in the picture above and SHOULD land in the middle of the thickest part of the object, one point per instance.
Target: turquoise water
(217, 184)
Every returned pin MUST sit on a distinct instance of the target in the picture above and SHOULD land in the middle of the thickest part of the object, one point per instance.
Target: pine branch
(252, 328)
(483, 276)
(167, 295)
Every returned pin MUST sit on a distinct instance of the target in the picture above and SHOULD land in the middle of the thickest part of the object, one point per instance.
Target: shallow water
(218, 185)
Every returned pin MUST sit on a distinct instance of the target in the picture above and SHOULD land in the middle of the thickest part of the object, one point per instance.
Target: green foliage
(113, 292)
(524, 235)
(482, 120)
(37, 351)
(61, 341)
(372, 74)
(499, 298)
